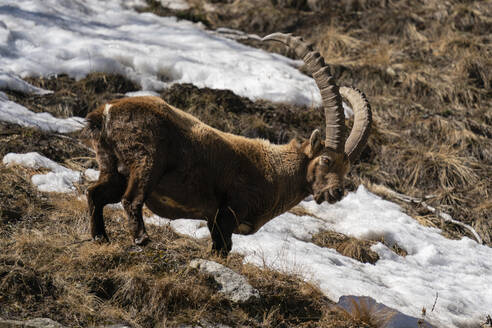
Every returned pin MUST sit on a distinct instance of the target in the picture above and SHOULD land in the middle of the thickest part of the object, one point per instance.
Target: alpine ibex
(152, 153)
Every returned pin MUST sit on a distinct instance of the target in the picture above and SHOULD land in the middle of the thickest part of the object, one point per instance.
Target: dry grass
(14, 138)
(428, 89)
(347, 246)
(367, 313)
(72, 97)
(261, 119)
(355, 248)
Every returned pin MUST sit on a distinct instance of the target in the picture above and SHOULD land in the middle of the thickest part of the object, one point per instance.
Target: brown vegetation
(71, 97)
(358, 249)
(60, 148)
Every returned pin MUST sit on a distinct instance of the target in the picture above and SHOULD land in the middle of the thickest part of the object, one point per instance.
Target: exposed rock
(33, 323)
(232, 284)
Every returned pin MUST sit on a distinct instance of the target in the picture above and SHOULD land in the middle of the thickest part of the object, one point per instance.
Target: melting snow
(60, 179)
(91, 174)
(14, 113)
(42, 38)
(15, 83)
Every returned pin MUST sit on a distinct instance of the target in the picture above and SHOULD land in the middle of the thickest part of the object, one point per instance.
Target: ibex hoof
(142, 241)
(100, 239)
(223, 253)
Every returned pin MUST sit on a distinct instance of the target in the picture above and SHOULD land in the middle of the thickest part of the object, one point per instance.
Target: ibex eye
(325, 160)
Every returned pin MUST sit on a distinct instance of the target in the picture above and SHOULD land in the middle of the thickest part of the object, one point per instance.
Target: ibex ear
(315, 142)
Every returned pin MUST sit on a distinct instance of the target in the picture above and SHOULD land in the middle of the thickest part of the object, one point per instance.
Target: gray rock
(233, 285)
(33, 323)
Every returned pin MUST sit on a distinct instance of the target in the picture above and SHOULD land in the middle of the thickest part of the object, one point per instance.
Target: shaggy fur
(209, 175)
(154, 154)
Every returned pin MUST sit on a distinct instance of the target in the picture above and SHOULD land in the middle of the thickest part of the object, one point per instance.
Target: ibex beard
(154, 154)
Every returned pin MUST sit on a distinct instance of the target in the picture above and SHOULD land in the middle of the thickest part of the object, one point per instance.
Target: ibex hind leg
(140, 182)
(108, 189)
(221, 228)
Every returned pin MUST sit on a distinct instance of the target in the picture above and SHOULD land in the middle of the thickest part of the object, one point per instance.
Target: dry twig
(421, 201)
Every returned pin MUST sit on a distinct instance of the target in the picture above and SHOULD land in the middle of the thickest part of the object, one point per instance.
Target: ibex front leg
(108, 189)
(221, 228)
(139, 184)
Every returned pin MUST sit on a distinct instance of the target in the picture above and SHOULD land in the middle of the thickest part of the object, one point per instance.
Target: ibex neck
(290, 165)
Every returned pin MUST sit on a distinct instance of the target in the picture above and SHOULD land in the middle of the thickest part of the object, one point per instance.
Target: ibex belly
(169, 208)
(174, 199)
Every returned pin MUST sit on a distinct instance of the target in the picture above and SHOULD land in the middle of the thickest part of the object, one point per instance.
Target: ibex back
(154, 154)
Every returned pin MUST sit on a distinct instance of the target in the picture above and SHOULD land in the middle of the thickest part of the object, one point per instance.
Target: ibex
(154, 154)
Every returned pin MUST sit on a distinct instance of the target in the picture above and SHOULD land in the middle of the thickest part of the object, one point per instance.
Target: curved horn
(362, 122)
(330, 95)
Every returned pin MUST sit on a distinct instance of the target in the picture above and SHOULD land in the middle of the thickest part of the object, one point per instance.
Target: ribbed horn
(362, 122)
(330, 95)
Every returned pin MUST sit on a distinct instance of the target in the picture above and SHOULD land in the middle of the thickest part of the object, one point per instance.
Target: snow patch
(52, 37)
(60, 179)
(142, 93)
(14, 83)
(175, 4)
(14, 113)
(91, 174)
(194, 228)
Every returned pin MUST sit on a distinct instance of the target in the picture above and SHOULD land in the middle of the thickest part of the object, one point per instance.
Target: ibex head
(329, 161)
(325, 171)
